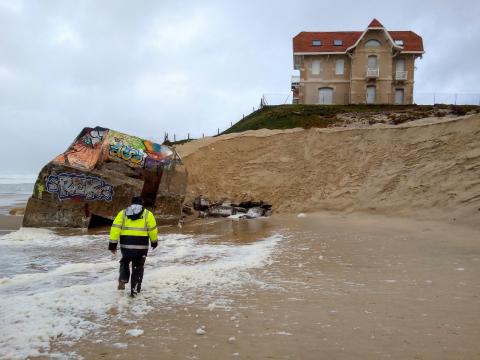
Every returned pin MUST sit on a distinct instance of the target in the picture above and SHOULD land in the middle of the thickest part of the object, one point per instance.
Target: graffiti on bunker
(93, 137)
(137, 152)
(79, 186)
(135, 156)
(85, 151)
(94, 145)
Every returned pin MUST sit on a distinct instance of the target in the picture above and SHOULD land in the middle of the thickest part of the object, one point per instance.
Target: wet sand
(338, 287)
(9, 223)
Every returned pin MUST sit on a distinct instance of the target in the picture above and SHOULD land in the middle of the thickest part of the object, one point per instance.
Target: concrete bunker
(99, 173)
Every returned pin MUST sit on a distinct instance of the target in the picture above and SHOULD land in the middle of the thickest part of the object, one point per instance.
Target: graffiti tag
(128, 153)
(93, 137)
(68, 186)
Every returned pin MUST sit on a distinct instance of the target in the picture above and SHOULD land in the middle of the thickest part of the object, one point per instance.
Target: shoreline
(13, 222)
(9, 223)
(345, 286)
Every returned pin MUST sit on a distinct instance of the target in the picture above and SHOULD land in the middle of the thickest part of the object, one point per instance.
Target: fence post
(174, 137)
(218, 131)
(203, 135)
(188, 136)
(456, 99)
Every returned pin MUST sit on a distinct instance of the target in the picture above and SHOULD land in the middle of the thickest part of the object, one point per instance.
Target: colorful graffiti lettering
(135, 156)
(83, 187)
(94, 145)
(138, 152)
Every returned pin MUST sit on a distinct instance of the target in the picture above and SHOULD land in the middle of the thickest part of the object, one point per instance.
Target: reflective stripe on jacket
(133, 234)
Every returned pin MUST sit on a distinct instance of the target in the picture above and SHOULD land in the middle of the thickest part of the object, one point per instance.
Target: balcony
(295, 81)
(400, 75)
(373, 73)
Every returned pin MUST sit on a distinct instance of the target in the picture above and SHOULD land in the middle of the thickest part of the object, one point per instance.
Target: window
(372, 62)
(297, 62)
(316, 67)
(339, 66)
(372, 43)
(400, 65)
(325, 96)
(399, 96)
(338, 42)
(399, 42)
(371, 94)
(316, 42)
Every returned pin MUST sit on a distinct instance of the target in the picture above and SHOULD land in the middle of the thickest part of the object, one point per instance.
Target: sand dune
(429, 170)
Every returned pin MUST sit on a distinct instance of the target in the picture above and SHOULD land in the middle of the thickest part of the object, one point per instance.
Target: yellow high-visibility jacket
(133, 234)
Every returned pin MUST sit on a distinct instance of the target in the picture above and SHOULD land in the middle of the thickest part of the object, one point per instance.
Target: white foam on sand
(45, 238)
(134, 332)
(72, 299)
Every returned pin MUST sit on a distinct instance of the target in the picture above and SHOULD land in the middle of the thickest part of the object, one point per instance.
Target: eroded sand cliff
(425, 168)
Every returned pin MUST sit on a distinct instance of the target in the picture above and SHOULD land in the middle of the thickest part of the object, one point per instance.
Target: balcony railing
(400, 75)
(373, 73)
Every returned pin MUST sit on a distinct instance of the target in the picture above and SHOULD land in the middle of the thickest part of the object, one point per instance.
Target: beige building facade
(375, 66)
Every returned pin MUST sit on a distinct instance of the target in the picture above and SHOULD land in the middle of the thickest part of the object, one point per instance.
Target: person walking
(135, 227)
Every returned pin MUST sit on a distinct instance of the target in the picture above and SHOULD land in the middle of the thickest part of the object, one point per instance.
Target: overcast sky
(145, 67)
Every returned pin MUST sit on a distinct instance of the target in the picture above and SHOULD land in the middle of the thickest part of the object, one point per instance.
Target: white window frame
(321, 100)
(403, 96)
(340, 69)
(316, 69)
(374, 101)
(368, 61)
(397, 65)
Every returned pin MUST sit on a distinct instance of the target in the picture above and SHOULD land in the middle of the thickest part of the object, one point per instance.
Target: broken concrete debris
(249, 209)
(97, 176)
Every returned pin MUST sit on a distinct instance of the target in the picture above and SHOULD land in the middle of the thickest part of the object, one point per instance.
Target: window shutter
(315, 67)
(339, 66)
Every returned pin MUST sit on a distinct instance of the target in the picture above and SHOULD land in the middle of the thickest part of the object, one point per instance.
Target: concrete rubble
(202, 207)
(97, 176)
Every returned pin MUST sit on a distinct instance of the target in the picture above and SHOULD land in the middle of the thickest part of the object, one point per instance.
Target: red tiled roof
(375, 23)
(411, 41)
(303, 41)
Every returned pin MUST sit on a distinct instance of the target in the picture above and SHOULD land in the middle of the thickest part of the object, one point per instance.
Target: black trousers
(138, 261)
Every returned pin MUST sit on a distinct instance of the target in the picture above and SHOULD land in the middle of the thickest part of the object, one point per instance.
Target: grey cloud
(147, 67)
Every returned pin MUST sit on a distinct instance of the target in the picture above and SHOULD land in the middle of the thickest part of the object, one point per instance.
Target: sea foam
(70, 300)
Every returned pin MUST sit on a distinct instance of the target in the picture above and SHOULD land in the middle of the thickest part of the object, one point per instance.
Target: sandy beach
(9, 223)
(372, 252)
(336, 286)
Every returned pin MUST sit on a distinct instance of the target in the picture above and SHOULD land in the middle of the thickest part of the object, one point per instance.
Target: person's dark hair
(137, 200)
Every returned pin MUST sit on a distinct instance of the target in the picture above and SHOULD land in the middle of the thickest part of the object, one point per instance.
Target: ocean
(15, 191)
